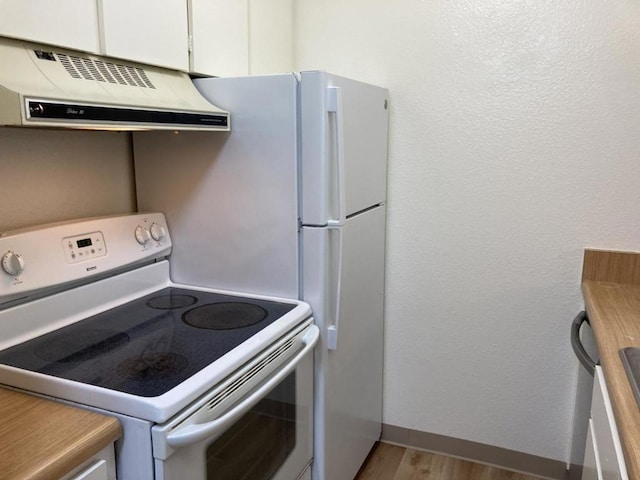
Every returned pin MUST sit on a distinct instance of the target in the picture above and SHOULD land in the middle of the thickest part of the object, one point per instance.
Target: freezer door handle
(332, 330)
(334, 107)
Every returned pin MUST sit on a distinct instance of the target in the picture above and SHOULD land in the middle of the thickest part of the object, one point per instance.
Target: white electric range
(207, 384)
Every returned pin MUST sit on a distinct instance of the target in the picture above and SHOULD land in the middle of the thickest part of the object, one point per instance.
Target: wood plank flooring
(390, 462)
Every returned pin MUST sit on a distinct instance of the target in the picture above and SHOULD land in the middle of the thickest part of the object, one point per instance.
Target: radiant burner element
(225, 315)
(171, 301)
(152, 366)
(81, 345)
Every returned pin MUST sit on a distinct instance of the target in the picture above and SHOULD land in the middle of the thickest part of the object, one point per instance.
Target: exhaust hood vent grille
(97, 70)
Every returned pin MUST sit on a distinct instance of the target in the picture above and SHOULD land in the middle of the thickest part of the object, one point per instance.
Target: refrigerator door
(344, 126)
(231, 199)
(343, 280)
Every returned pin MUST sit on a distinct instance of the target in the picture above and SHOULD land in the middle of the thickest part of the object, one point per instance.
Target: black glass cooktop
(150, 345)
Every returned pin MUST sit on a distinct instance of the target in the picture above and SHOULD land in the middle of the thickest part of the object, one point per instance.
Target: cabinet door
(591, 470)
(147, 31)
(67, 23)
(219, 37)
(97, 471)
(270, 36)
(605, 431)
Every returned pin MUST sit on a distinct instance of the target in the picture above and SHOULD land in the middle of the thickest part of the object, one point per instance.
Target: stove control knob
(12, 263)
(157, 232)
(142, 235)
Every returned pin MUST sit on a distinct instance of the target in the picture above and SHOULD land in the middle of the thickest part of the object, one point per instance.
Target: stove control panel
(51, 256)
(84, 247)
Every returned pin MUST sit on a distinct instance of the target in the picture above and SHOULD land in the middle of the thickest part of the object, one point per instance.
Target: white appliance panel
(230, 199)
(65, 252)
(349, 378)
(344, 117)
(133, 450)
(582, 404)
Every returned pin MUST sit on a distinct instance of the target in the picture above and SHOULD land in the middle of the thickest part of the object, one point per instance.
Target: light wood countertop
(611, 288)
(42, 439)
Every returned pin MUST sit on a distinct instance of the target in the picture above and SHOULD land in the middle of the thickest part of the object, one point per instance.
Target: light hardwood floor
(390, 462)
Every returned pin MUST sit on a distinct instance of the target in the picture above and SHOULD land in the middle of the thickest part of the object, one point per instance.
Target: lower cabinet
(591, 466)
(604, 459)
(102, 466)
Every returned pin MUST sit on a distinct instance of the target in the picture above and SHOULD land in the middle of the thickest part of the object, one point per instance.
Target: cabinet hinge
(190, 43)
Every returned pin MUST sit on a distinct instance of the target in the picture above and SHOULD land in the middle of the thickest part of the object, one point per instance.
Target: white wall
(514, 144)
(54, 175)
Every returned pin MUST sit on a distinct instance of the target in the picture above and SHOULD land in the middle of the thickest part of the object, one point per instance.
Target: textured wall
(54, 175)
(514, 144)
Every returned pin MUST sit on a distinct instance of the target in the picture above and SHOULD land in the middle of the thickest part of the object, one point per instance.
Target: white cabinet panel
(97, 471)
(590, 470)
(102, 466)
(609, 449)
(220, 37)
(246, 181)
(147, 31)
(270, 36)
(67, 23)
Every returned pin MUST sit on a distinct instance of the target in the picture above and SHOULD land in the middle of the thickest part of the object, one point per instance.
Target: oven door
(257, 424)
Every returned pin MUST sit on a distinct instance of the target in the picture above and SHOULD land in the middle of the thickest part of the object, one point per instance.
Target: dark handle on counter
(586, 361)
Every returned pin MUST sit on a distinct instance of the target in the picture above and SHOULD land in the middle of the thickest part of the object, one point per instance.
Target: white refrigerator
(290, 203)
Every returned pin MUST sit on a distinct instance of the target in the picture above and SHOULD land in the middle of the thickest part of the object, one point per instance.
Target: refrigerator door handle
(334, 106)
(332, 330)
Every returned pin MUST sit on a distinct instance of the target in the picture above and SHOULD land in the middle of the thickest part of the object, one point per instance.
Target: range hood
(46, 86)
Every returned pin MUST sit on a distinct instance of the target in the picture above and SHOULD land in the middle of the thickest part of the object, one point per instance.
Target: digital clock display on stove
(85, 242)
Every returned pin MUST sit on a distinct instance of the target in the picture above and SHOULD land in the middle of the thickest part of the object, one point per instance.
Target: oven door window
(257, 445)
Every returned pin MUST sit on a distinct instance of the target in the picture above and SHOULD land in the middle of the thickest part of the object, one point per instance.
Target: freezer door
(343, 280)
(344, 126)
(231, 199)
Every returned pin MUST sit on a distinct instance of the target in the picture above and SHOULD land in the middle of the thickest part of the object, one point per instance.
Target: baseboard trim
(476, 452)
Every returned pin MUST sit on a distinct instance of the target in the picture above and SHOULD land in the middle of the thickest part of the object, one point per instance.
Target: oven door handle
(578, 348)
(193, 433)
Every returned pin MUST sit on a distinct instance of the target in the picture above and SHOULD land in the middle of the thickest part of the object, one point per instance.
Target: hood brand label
(92, 268)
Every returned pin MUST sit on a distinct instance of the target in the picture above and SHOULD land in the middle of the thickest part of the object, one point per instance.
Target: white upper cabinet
(240, 37)
(147, 31)
(220, 37)
(209, 37)
(66, 23)
(270, 36)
